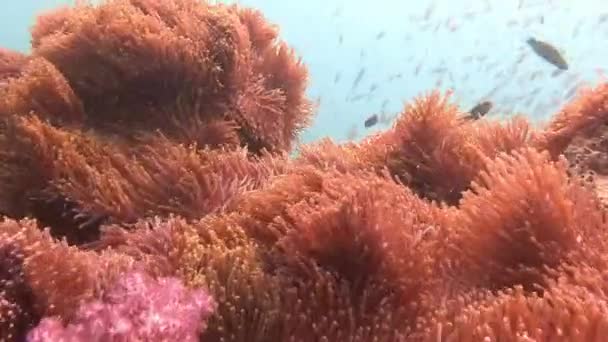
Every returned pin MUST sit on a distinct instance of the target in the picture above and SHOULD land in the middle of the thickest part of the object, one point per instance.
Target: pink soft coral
(137, 308)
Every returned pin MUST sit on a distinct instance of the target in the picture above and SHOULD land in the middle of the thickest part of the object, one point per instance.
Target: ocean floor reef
(148, 194)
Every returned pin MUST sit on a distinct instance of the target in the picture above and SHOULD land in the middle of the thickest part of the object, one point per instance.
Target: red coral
(352, 230)
(60, 276)
(563, 313)
(521, 216)
(140, 63)
(103, 80)
(42, 90)
(578, 118)
(17, 313)
(430, 148)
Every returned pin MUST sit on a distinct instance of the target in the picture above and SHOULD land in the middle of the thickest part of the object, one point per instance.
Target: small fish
(439, 70)
(536, 75)
(479, 110)
(395, 76)
(358, 78)
(371, 121)
(384, 104)
(521, 58)
(373, 88)
(548, 52)
(556, 73)
(470, 15)
(380, 35)
(356, 98)
(512, 23)
(429, 11)
(572, 91)
(340, 39)
(529, 101)
(577, 28)
(451, 76)
(337, 77)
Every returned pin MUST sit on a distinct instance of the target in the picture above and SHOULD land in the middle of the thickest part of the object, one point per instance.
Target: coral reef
(147, 194)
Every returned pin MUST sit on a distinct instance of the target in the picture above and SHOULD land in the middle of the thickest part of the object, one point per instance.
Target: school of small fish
(364, 88)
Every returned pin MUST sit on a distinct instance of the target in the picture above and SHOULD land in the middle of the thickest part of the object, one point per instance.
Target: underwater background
(149, 189)
(400, 48)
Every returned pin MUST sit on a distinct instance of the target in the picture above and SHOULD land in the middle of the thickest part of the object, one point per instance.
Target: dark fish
(479, 110)
(380, 35)
(371, 121)
(548, 52)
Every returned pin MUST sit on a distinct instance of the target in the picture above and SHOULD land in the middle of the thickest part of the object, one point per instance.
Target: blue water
(475, 48)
